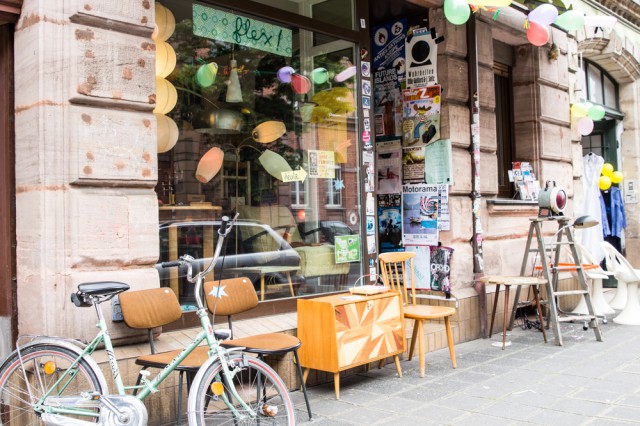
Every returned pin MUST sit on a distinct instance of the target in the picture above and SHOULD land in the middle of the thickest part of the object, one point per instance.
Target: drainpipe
(474, 149)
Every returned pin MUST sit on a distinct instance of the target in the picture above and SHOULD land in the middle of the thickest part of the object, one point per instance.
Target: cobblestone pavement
(584, 382)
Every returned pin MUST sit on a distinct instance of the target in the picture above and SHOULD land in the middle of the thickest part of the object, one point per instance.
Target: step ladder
(549, 257)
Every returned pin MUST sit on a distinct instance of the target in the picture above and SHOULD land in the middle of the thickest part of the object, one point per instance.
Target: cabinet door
(368, 330)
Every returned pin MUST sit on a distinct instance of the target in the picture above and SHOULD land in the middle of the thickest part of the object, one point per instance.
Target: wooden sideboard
(344, 331)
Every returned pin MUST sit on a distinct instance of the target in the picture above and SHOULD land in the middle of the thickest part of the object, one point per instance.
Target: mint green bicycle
(54, 381)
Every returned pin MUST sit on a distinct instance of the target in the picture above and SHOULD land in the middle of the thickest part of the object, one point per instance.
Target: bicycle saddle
(102, 288)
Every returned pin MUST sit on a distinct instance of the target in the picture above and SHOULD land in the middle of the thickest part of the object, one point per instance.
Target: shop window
(248, 110)
(601, 88)
(504, 127)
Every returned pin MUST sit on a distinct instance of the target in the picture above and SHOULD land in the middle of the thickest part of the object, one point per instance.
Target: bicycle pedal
(269, 410)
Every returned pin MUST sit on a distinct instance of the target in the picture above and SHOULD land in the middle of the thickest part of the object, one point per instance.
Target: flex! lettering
(243, 31)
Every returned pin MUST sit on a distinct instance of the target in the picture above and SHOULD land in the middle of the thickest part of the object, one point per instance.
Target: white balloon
(585, 126)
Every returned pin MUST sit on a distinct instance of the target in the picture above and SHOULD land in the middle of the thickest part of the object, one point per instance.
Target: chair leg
(381, 363)
(421, 347)
(452, 351)
(414, 335)
(302, 385)
(179, 409)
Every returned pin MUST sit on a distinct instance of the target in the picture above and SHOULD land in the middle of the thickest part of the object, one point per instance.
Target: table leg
(506, 311)
(261, 287)
(336, 384)
(305, 375)
(396, 358)
(536, 295)
(495, 305)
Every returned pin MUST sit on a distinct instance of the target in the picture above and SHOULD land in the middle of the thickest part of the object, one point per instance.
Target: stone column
(85, 157)
(630, 152)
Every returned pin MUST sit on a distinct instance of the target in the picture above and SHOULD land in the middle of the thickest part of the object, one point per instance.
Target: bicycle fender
(67, 345)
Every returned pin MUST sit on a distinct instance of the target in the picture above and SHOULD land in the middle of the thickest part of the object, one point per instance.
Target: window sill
(504, 207)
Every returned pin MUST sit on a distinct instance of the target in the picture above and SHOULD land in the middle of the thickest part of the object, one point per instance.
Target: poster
(444, 219)
(441, 268)
(371, 225)
(389, 166)
(421, 59)
(421, 112)
(438, 163)
(421, 266)
(390, 222)
(322, 164)
(347, 248)
(420, 215)
(413, 165)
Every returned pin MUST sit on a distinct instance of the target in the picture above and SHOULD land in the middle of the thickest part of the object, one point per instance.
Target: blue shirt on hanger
(616, 210)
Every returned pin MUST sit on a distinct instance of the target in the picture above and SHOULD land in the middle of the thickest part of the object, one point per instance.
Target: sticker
(366, 87)
(365, 113)
(371, 248)
(366, 136)
(364, 53)
(371, 225)
(367, 157)
(363, 23)
(381, 36)
(366, 101)
(370, 204)
(366, 124)
(365, 68)
(372, 271)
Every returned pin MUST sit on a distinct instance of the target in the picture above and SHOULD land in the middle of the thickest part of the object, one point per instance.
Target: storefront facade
(126, 154)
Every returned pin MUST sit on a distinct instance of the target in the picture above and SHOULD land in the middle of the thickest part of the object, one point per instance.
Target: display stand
(549, 255)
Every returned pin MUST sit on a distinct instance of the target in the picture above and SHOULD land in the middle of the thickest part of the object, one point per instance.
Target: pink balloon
(585, 126)
(545, 14)
(300, 83)
(537, 34)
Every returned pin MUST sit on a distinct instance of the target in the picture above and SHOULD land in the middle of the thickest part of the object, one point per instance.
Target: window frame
(603, 75)
(505, 138)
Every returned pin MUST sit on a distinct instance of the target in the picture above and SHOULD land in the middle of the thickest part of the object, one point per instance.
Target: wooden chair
(237, 295)
(149, 309)
(396, 276)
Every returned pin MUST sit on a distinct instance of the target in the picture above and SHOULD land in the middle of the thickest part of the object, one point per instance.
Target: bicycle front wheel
(212, 400)
(23, 383)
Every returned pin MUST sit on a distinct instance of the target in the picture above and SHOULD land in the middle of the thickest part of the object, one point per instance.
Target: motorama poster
(420, 215)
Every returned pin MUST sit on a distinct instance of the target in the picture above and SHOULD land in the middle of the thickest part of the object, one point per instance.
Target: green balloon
(571, 20)
(596, 112)
(456, 11)
(206, 74)
(319, 75)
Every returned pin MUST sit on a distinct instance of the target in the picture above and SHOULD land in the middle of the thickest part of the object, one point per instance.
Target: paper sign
(294, 176)
(347, 248)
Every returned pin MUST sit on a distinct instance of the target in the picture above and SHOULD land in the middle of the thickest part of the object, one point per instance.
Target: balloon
(596, 112)
(456, 11)
(300, 83)
(206, 74)
(616, 177)
(579, 110)
(607, 169)
(537, 34)
(495, 3)
(345, 74)
(285, 73)
(585, 126)
(545, 14)
(570, 20)
(319, 75)
(604, 183)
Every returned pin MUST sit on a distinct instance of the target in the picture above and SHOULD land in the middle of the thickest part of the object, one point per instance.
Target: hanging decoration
(165, 23)
(319, 75)
(596, 112)
(604, 183)
(285, 73)
(545, 14)
(457, 11)
(234, 92)
(585, 126)
(165, 59)
(537, 34)
(301, 84)
(490, 3)
(167, 133)
(571, 20)
(209, 165)
(166, 95)
(607, 169)
(616, 177)
(206, 74)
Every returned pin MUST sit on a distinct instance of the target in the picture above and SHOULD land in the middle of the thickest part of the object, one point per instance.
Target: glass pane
(594, 79)
(610, 99)
(246, 113)
(334, 12)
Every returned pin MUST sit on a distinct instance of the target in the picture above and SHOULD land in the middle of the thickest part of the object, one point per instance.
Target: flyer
(421, 112)
(413, 164)
(441, 268)
(347, 248)
(322, 164)
(389, 166)
(438, 163)
(444, 219)
(390, 222)
(421, 58)
(420, 214)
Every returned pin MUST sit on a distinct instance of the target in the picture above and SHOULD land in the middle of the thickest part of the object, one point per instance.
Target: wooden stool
(507, 282)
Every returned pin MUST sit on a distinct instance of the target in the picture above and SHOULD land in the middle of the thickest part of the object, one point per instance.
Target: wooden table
(266, 270)
(507, 282)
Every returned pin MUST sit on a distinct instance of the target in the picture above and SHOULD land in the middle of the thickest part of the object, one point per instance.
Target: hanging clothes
(591, 237)
(614, 219)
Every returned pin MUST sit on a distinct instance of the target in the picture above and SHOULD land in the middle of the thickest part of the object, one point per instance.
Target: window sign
(347, 248)
(225, 26)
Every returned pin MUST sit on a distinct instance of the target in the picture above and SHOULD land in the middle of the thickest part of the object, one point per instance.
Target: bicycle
(54, 381)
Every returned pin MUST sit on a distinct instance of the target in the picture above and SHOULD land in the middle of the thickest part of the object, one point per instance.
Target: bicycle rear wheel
(257, 384)
(22, 384)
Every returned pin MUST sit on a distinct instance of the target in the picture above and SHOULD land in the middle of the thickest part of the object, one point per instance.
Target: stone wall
(85, 156)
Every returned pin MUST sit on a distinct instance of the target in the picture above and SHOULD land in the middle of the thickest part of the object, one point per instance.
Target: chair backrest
(397, 273)
(619, 265)
(145, 309)
(586, 258)
(234, 296)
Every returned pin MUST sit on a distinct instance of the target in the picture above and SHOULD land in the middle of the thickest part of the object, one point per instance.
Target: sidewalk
(584, 382)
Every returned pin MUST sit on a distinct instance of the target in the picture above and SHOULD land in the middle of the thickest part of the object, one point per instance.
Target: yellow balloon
(604, 183)
(579, 110)
(616, 177)
(607, 169)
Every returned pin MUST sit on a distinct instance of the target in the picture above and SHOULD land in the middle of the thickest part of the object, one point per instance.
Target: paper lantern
(545, 14)
(209, 165)
(579, 110)
(345, 74)
(206, 74)
(537, 34)
(607, 169)
(300, 84)
(285, 73)
(274, 164)
(268, 131)
(319, 75)
(596, 112)
(571, 20)
(234, 92)
(165, 59)
(165, 23)
(457, 11)
(585, 126)
(166, 96)
(604, 183)
(616, 177)
(167, 133)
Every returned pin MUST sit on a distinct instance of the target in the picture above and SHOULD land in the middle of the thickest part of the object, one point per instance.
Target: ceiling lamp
(234, 92)
(166, 96)
(167, 133)
(165, 59)
(165, 23)
(209, 165)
